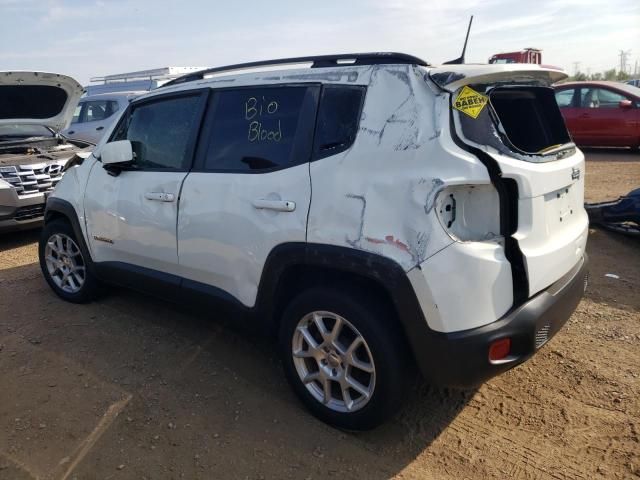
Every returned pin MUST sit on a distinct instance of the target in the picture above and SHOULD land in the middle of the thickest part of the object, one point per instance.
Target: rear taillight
(499, 350)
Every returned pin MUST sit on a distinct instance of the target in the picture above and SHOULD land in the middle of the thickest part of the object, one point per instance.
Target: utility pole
(576, 68)
(623, 60)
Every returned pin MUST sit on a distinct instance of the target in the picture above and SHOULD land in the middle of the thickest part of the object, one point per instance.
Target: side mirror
(625, 104)
(116, 152)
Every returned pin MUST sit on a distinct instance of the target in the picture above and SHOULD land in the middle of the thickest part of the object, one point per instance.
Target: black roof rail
(318, 61)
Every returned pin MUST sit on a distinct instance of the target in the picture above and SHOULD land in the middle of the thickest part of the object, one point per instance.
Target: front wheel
(64, 265)
(344, 357)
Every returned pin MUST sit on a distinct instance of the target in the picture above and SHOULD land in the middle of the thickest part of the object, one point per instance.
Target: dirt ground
(131, 387)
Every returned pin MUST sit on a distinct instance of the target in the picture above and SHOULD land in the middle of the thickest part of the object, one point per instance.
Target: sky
(88, 38)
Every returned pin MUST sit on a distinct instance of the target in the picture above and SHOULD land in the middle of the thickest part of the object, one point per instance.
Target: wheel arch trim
(57, 207)
(383, 271)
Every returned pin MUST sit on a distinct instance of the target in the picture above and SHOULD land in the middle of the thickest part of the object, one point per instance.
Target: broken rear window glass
(530, 118)
(520, 121)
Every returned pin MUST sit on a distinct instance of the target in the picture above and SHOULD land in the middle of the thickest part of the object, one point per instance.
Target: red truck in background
(528, 55)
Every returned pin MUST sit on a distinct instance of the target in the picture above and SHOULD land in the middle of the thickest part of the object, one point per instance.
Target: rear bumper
(461, 359)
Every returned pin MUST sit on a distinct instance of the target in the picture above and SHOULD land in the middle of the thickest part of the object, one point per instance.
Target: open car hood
(38, 98)
(453, 77)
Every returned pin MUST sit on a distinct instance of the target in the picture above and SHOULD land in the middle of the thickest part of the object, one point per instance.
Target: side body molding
(283, 259)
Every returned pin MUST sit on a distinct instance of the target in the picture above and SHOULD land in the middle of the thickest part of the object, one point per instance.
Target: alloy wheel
(333, 361)
(64, 262)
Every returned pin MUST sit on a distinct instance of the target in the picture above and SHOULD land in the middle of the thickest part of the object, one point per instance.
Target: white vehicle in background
(34, 107)
(140, 80)
(94, 114)
(446, 228)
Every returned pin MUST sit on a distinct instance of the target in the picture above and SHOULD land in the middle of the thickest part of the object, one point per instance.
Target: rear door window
(259, 129)
(94, 110)
(338, 119)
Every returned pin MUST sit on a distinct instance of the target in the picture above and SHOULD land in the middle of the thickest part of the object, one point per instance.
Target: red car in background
(601, 114)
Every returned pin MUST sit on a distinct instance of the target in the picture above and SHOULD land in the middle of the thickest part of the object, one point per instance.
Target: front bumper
(461, 359)
(20, 212)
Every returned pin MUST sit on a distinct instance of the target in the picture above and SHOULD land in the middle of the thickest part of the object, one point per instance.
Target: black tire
(376, 324)
(90, 288)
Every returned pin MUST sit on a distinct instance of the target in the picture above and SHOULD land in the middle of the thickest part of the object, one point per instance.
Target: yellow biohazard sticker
(470, 102)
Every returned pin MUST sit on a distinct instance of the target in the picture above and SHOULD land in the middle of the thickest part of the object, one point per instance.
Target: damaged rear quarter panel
(379, 195)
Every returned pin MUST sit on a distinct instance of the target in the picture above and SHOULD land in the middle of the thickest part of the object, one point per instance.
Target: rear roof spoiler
(453, 77)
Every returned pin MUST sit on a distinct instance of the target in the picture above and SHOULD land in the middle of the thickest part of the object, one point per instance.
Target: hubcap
(65, 263)
(333, 361)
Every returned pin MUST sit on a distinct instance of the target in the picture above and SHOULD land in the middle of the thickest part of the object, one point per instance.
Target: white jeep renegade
(373, 212)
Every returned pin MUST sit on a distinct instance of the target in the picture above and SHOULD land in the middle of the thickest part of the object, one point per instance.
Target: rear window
(31, 101)
(530, 118)
(518, 120)
(257, 129)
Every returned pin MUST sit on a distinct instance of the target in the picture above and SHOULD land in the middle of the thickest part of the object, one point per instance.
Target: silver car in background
(95, 113)
(34, 107)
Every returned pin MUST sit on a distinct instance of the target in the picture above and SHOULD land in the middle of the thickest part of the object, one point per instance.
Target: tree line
(612, 74)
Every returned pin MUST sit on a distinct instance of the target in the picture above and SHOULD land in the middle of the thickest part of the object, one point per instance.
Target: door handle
(585, 115)
(160, 196)
(277, 205)
(100, 128)
(71, 132)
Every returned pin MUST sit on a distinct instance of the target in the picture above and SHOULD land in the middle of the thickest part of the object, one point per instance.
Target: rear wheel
(65, 267)
(344, 357)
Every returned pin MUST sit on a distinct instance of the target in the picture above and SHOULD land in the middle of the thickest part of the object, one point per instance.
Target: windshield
(18, 131)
